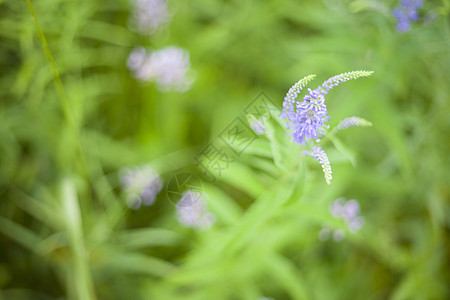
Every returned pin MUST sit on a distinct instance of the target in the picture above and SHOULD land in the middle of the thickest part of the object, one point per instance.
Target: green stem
(80, 272)
(62, 97)
(79, 275)
(328, 136)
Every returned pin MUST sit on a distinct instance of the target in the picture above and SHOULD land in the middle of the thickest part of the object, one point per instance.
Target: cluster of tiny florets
(353, 122)
(319, 154)
(406, 13)
(338, 79)
(291, 96)
(141, 185)
(305, 118)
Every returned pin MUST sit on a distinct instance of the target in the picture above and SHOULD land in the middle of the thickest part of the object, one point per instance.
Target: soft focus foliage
(97, 119)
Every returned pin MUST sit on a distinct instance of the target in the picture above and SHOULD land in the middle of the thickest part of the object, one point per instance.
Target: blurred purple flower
(150, 15)
(136, 58)
(168, 67)
(405, 13)
(257, 125)
(324, 234)
(192, 211)
(351, 210)
(338, 235)
(141, 185)
(336, 207)
(347, 211)
(355, 224)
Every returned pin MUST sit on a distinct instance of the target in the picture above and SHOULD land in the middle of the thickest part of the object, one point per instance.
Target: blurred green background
(66, 231)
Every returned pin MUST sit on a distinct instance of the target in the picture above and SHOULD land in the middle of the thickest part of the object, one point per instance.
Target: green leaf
(222, 205)
(242, 177)
(41, 210)
(343, 150)
(138, 263)
(259, 147)
(147, 237)
(106, 32)
(275, 145)
(19, 233)
(287, 276)
(298, 183)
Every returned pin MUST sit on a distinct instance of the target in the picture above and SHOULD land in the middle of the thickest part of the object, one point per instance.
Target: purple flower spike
(310, 118)
(292, 94)
(307, 118)
(319, 154)
(353, 122)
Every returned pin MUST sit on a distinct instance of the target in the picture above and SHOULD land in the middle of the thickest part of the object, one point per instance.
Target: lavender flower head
(193, 212)
(406, 13)
(168, 67)
(141, 185)
(319, 154)
(306, 119)
(353, 122)
(150, 15)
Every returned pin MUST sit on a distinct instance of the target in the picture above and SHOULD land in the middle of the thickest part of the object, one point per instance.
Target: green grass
(72, 116)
